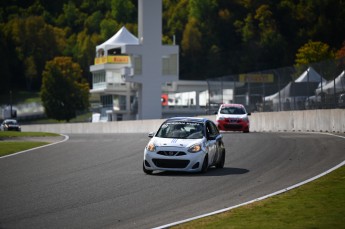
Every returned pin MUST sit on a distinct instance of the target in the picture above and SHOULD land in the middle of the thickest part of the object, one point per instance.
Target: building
(128, 72)
(131, 76)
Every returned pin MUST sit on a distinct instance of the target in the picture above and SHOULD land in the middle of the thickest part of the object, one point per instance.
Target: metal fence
(314, 86)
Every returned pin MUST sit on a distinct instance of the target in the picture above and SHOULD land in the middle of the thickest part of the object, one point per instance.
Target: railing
(316, 86)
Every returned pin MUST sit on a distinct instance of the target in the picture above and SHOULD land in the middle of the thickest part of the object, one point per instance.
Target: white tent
(122, 37)
(298, 90)
(271, 97)
(309, 75)
(338, 84)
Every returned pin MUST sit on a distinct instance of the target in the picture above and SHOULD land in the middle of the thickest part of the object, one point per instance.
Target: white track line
(14, 154)
(260, 198)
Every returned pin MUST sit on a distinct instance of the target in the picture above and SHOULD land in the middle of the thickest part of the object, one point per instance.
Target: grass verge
(7, 148)
(318, 204)
(10, 147)
(14, 134)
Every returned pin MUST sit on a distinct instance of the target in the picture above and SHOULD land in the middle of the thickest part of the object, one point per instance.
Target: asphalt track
(96, 181)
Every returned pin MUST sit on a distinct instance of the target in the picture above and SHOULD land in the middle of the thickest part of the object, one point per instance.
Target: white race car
(184, 144)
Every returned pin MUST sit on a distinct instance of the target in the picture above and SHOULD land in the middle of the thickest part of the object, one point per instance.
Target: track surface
(96, 181)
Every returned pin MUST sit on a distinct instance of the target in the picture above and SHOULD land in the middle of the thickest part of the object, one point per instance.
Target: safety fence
(314, 86)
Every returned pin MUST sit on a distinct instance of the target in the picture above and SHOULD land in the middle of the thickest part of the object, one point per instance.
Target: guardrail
(330, 120)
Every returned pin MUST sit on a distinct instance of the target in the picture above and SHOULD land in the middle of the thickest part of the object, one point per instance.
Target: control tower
(153, 64)
(129, 72)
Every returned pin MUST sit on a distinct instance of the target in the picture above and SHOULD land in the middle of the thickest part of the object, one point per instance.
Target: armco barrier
(307, 120)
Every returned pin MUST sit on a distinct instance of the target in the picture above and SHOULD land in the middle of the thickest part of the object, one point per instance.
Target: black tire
(221, 162)
(204, 167)
(149, 172)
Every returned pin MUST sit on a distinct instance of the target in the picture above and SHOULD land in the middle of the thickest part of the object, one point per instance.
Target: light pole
(11, 103)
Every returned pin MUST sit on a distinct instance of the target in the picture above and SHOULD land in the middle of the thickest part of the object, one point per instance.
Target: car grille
(171, 153)
(233, 126)
(166, 163)
(233, 120)
(12, 128)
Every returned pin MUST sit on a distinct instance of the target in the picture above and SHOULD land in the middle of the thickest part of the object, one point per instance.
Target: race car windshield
(181, 130)
(232, 110)
(11, 122)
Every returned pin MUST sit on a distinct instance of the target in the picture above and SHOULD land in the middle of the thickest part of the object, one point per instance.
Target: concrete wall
(308, 120)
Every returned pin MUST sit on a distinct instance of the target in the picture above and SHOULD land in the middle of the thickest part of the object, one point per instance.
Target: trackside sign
(256, 78)
(112, 60)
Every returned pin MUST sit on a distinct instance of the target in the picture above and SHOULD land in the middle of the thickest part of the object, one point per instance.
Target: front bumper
(173, 159)
(233, 125)
(12, 128)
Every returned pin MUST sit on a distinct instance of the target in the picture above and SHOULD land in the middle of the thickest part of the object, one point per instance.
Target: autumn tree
(318, 55)
(33, 49)
(64, 91)
(215, 37)
(261, 37)
(198, 37)
(312, 52)
(340, 56)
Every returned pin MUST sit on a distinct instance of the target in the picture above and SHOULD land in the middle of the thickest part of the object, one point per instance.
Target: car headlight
(195, 148)
(245, 119)
(220, 118)
(151, 147)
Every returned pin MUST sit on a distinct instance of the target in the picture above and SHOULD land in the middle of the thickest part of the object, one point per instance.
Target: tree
(312, 52)
(72, 17)
(5, 76)
(175, 17)
(63, 90)
(33, 49)
(123, 11)
(341, 52)
(340, 56)
(316, 54)
(260, 32)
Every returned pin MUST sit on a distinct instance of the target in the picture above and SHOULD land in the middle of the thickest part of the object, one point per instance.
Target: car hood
(175, 142)
(232, 116)
(12, 125)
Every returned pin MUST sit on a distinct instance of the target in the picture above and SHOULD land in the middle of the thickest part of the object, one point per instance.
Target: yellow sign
(112, 60)
(256, 78)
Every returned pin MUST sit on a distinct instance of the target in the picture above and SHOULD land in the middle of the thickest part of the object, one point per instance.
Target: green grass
(14, 134)
(7, 148)
(319, 204)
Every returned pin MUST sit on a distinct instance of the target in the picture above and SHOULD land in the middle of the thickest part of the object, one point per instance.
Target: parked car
(184, 144)
(10, 124)
(233, 117)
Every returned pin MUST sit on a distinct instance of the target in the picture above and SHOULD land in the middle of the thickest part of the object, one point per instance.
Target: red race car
(232, 117)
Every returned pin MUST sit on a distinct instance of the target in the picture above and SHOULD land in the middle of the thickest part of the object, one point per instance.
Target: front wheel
(204, 167)
(221, 162)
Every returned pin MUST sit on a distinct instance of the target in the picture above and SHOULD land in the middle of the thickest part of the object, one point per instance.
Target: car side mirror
(211, 138)
(249, 113)
(151, 134)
